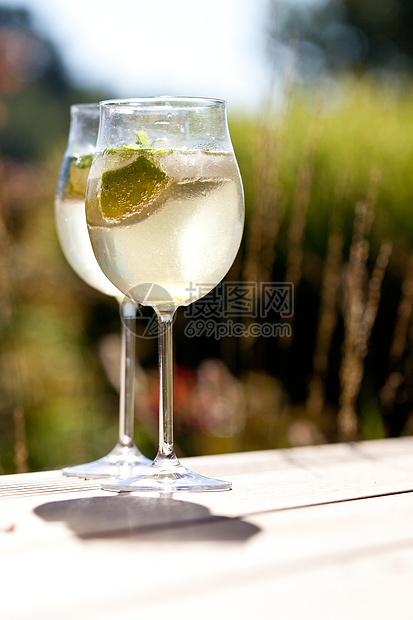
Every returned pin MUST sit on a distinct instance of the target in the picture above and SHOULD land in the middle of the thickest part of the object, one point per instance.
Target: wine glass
(165, 212)
(74, 239)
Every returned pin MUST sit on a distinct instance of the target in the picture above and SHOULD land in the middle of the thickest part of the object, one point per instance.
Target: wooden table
(308, 533)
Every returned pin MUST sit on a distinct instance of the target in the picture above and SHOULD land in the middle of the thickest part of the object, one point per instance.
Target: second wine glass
(74, 239)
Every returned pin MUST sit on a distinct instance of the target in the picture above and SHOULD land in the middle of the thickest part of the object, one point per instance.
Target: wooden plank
(291, 541)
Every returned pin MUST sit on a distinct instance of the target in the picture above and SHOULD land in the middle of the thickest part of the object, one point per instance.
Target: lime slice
(131, 189)
(79, 172)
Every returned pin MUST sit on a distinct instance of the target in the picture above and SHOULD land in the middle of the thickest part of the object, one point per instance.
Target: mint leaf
(142, 138)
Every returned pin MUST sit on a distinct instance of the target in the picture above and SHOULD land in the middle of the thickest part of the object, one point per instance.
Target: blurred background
(320, 105)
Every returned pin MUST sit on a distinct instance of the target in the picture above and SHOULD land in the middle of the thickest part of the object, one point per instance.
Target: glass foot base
(166, 476)
(120, 462)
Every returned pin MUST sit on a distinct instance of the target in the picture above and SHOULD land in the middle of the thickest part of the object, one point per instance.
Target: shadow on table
(162, 518)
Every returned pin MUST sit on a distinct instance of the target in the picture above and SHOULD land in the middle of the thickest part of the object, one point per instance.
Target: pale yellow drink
(172, 219)
(70, 218)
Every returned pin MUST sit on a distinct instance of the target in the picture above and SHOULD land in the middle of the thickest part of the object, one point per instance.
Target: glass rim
(199, 102)
(84, 106)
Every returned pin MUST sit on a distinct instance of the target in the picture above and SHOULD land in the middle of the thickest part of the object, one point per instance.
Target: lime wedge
(131, 189)
(79, 172)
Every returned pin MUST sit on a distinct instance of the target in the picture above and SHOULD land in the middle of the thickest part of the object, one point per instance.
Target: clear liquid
(70, 218)
(183, 245)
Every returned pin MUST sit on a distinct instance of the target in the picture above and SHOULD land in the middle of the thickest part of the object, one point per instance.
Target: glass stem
(165, 322)
(127, 375)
